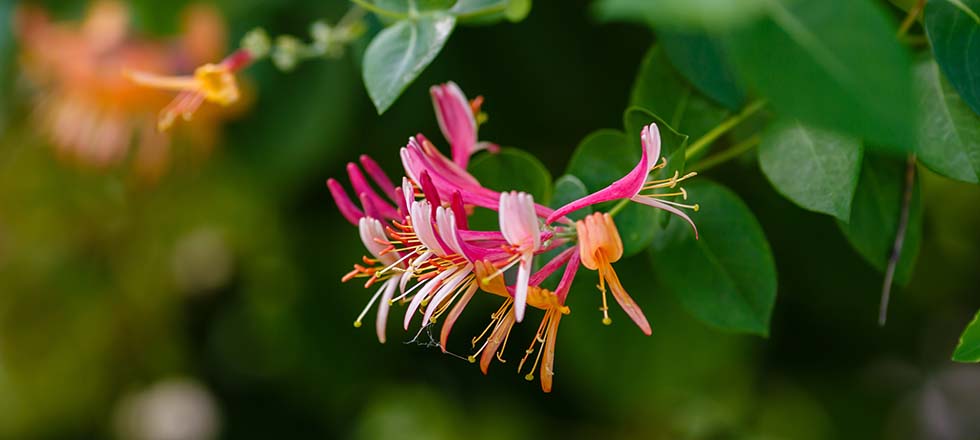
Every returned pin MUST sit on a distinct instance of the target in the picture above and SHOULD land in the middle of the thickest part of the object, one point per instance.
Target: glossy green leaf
(968, 350)
(834, 64)
(816, 169)
(398, 54)
(681, 13)
(513, 170)
(702, 60)
(875, 214)
(569, 188)
(727, 278)
(603, 157)
(952, 27)
(661, 90)
(949, 132)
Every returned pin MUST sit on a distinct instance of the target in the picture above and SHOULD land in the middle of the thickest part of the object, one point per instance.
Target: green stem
(379, 11)
(722, 128)
(731, 153)
(618, 207)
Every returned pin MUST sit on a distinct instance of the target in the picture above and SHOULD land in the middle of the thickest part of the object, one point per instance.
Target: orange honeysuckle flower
(502, 321)
(599, 247)
(85, 105)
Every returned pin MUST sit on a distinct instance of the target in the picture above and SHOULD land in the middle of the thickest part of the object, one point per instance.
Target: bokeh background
(209, 303)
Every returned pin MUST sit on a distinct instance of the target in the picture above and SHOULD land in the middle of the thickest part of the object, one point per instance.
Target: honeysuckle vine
(391, 63)
(424, 255)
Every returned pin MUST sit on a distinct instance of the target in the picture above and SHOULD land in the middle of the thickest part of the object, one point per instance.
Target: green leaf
(727, 278)
(661, 90)
(711, 14)
(490, 11)
(952, 27)
(603, 157)
(949, 133)
(875, 215)
(702, 60)
(569, 188)
(513, 170)
(398, 54)
(968, 350)
(816, 169)
(834, 64)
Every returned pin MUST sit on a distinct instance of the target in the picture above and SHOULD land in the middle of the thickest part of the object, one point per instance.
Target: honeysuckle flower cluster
(424, 255)
(84, 104)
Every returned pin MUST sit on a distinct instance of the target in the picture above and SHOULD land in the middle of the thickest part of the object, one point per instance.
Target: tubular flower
(84, 103)
(459, 121)
(420, 243)
(599, 247)
(214, 83)
(635, 186)
(519, 225)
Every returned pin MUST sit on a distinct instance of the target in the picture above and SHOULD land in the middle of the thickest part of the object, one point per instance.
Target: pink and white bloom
(374, 239)
(519, 224)
(420, 241)
(458, 121)
(632, 185)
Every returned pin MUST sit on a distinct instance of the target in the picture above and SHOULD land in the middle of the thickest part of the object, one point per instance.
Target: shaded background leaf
(727, 278)
(949, 132)
(834, 64)
(952, 27)
(660, 89)
(968, 350)
(682, 13)
(816, 169)
(875, 214)
(701, 58)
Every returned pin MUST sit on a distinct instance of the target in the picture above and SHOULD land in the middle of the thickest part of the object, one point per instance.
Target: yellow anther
(357, 324)
(471, 358)
(529, 377)
(607, 320)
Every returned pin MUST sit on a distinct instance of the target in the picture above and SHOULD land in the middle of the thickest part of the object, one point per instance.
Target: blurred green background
(213, 297)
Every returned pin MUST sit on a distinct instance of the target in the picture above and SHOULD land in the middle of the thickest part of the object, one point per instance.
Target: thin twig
(913, 14)
(724, 156)
(722, 128)
(903, 223)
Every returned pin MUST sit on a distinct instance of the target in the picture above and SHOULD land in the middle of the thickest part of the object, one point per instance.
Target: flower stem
(731, 153)
(896, 254)
(722, 128)
(378, 10)
(618, 207)
(913, 14)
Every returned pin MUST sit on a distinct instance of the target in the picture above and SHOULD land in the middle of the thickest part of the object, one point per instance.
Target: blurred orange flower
(85, 105)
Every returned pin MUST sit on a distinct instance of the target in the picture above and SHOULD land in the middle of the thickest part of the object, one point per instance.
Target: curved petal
(650, 201)
(455, 120)
(627, 186)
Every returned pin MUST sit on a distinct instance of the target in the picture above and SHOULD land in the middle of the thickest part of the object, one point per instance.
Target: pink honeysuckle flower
(458, 121)
(374, 239)
(519, 225)
(372, 204)
(633, 184)
(419, 156)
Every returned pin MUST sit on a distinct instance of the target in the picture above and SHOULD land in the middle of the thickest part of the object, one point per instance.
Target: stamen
(357, 322)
